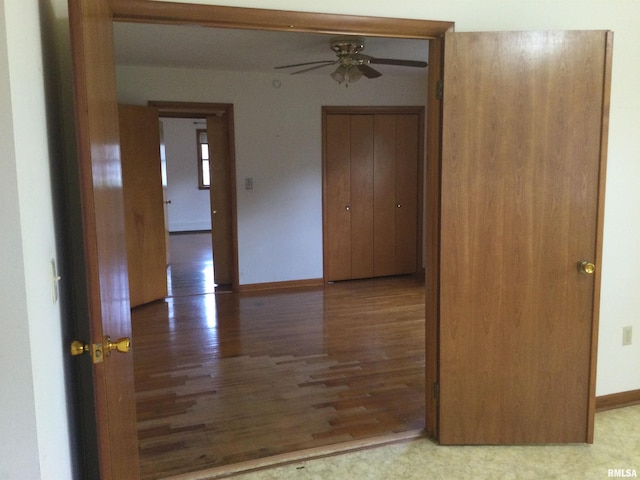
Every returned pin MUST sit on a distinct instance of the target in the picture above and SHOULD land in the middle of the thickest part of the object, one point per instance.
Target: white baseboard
(189, 226)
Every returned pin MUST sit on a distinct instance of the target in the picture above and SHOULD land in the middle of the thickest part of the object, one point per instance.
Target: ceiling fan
(352, 64)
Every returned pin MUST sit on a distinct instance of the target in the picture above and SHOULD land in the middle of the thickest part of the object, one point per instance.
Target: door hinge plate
(436, 390)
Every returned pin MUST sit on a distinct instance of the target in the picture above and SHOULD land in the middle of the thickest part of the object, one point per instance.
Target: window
(204, 179)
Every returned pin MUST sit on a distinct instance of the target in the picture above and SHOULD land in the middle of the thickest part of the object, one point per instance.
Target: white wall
(33, 415)
(278, 142)
(189, 208)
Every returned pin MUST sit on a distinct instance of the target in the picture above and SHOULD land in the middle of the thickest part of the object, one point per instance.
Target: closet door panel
(361, 196)
(337, 198)
(406, 188)
(384, 205)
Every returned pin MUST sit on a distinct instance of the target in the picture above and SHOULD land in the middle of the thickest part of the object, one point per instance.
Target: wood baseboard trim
(300, 456)
(617, 400)
(259, 287)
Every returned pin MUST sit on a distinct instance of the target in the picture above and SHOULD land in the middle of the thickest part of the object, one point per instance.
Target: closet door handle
(398, 205)
(347, 208)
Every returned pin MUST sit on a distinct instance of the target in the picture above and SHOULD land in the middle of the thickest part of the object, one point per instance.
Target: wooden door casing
(142, 185)
(91, 42)
(521, 189)
(220, 195)
(165, 193)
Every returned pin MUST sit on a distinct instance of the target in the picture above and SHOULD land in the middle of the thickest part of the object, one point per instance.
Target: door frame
(203, 110)
(142, 11)
(373, 110)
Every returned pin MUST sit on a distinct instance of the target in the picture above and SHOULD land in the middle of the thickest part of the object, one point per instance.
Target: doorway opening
(215, 269)
(273, 20)
(391, 423)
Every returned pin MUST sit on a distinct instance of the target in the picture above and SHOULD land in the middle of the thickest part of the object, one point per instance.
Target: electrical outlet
(626, 335)
(248, 183)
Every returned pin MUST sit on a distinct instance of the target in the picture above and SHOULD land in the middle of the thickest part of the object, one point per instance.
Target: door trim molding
(595, 321)
(144, 11)
(224, 110)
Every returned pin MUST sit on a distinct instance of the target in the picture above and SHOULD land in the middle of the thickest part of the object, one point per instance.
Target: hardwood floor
(226, 378)
(191, 266)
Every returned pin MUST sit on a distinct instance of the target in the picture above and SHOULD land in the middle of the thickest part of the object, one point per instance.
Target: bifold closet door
(337, 198)
(362, 196)
(371, 195)
(406, 194)
(395, 170)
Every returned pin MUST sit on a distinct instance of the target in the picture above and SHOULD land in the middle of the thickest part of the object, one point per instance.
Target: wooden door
(144, 206)
(104, 236)
(522, 186)
(220, 196)
(395, 166)
(407, 181)
(337, 197)
(384, 202)
(361, 192)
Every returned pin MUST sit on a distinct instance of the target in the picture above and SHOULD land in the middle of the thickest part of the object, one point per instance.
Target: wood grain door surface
(371, 195)
(104, 234)
(521, 179)
(146, 233)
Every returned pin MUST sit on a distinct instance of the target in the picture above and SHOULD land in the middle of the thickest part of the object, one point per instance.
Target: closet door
(406, 194)
(384, 173)
(337, 198)
(396, 194)
(362, 210)
(371, 194)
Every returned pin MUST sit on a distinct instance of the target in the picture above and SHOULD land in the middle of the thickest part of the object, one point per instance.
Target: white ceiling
(246, 50)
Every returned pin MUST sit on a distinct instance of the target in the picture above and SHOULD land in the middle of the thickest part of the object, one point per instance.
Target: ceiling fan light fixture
(354, 74)
(347, 74)
(340, 74)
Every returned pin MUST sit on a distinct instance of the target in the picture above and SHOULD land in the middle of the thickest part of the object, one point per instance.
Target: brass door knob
(78, 348)
(586, 267)
(122, 345)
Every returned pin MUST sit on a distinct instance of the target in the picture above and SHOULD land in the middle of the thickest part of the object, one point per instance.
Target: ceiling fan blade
(402, 63)
(369, 72)
(323, 62)
(314, 67)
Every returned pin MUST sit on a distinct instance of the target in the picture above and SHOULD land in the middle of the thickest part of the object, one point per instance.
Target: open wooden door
(524, 141)
(144, 191)
(221, 194)
(104, 239)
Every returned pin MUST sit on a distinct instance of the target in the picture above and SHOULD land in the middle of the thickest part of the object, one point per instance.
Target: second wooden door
(142, 186)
